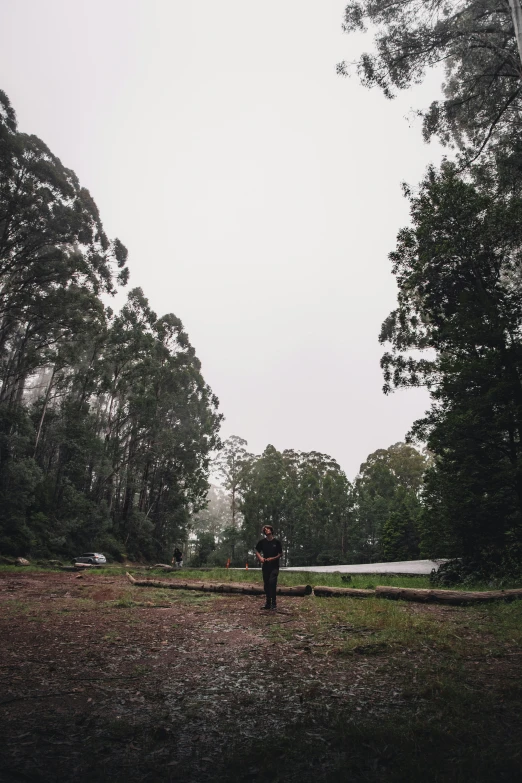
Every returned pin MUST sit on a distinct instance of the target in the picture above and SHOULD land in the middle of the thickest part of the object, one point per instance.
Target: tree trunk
(245, 588)
(324, 591)
(516, 13)
(456, 597)
(44, 409)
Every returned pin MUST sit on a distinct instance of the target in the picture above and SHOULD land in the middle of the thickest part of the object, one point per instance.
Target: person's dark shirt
(271, 548)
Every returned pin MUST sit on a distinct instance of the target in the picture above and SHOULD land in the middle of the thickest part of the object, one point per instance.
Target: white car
(94, 558)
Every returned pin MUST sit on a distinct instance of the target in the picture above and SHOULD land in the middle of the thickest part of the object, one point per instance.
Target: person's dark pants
(270, 583)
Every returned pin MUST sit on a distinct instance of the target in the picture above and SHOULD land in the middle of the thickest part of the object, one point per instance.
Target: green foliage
(206, 544)
(474, 39)
(457, 269)
(401, 533)
(319, 516)
(493, 569)
(305, 496)
(106, 423)
(230, 465)
(386, 505)
(215, 516)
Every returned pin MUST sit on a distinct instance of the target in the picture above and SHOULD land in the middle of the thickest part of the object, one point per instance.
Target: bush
(493, 568)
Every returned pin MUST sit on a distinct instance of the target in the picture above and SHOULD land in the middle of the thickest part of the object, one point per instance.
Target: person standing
(268, 552)
(178, 558)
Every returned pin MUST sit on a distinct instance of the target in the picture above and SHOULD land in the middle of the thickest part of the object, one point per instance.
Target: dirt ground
(104, 682)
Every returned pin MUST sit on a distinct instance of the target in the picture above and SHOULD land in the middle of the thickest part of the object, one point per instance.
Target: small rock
(21, 561)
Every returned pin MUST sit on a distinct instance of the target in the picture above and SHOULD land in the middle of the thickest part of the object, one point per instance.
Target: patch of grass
(501, 621)
(372, 626)
(112, 637)
(163, 597)
(16, 607)
(280, 633)
(32, 569)
(81, 604)
(290, 578)
(126, 602)
(140, 670)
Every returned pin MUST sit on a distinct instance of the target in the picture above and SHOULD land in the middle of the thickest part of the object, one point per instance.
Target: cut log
(457, 597)
(324, 591)
(164, 566)
(242, 588)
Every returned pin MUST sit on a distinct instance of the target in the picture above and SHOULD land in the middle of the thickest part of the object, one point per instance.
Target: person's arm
(260, 556)
(279, 554)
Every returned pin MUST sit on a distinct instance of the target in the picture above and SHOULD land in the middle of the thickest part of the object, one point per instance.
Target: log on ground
(243, 588)
(457, 597)
(324, 591)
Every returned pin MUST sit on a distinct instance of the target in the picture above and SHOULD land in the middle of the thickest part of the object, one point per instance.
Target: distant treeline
(320, 517)
(106, 423)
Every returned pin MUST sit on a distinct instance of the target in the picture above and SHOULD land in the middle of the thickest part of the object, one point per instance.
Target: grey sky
(257, 192)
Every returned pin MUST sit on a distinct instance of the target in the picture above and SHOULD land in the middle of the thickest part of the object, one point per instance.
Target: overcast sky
(258, 193)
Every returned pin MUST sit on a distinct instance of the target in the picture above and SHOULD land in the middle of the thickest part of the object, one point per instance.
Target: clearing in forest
(107, 682)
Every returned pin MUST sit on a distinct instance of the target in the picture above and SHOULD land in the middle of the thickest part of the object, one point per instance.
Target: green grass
(34, 569)
(501, 621)
(289, 578)
(335, 579)
(374, 627)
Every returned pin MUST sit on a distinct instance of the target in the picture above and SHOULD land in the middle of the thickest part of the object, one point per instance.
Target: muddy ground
(104, 682)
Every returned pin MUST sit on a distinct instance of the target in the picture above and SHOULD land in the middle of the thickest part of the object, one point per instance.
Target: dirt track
(105, 691)
(105, 683)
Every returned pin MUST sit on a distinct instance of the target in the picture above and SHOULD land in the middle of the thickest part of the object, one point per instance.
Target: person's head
(268, 530)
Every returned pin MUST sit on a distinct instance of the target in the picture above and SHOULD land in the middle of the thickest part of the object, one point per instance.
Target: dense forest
(320, 516)
(109, 435)
(457, 328)
(106, 423)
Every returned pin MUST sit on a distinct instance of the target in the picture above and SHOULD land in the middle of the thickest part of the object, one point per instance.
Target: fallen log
(457, 597)
(243, 588)
(325, 591)
(164, 566)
